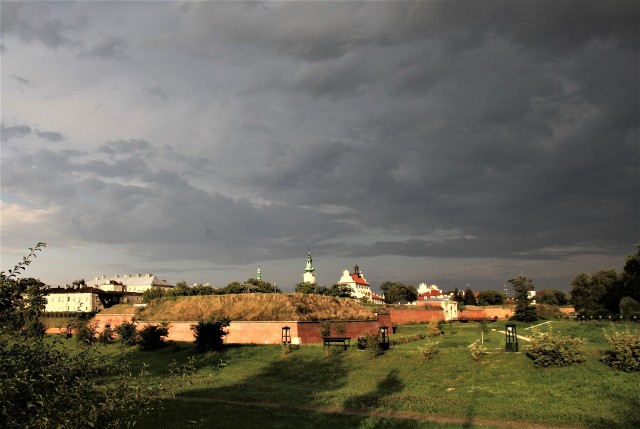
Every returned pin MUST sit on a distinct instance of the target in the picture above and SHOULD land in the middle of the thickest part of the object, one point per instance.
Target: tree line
(609, 293)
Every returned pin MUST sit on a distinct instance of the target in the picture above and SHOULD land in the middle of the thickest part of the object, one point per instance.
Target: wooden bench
(337, 341)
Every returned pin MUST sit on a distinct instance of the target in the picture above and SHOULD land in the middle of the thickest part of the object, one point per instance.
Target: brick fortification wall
(402, 316)
(241, 332)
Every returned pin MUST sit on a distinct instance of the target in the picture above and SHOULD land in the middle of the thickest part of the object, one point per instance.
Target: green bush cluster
(625, 350)
(550, 349)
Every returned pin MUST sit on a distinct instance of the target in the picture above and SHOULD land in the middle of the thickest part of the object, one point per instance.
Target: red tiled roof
(359, 280)
(430, 294)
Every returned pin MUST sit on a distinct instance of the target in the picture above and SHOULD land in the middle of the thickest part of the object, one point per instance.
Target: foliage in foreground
(625, 350)
(45, 385)
(550, 349)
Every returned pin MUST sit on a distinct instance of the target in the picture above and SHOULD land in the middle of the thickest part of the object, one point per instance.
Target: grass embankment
(255, 307)
(250, 386)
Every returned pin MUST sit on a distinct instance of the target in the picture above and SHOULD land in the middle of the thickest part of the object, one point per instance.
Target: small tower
(309, 275)
(259, 274)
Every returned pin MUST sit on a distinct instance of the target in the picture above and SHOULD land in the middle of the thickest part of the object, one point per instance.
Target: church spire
(309, 275)
(309, 267)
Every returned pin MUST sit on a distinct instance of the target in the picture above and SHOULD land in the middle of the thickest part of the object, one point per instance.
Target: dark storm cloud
(422, 129)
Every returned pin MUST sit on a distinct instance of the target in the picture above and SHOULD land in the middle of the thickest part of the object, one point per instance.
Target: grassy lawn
(246, 386)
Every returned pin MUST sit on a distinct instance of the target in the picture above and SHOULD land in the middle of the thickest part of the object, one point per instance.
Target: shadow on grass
(283, 394)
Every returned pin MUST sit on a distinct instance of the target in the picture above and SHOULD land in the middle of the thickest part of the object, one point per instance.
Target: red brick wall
(402, 316)
(257, 332)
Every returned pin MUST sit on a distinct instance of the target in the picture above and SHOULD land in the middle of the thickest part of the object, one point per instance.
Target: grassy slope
(256, 307)
(503, 386)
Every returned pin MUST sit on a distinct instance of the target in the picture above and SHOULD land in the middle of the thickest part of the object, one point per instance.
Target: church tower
(259, 274)
(309, 272)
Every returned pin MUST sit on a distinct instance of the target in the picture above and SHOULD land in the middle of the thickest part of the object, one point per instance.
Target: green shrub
(210, 335)
(549, 349)
(372, 344)
(86, 334)
(477, 350)
(127, 332)
(325, 329)
(433, 328)
(151, 337)
(429, 351)
(625, 350)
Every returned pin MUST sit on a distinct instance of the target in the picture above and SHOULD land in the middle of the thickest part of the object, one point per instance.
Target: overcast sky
(447, 142)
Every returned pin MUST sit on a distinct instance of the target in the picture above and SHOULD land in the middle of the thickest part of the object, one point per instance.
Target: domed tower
(309, 275)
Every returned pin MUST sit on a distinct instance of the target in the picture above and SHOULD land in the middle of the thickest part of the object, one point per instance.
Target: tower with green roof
(309, 272)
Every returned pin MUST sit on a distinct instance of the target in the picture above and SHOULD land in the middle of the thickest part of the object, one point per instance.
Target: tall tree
(469, 297)
(524, 311)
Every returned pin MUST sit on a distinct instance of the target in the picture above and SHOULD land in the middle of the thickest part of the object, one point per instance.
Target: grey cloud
(50, 136)
(15, 131)
(31, 22)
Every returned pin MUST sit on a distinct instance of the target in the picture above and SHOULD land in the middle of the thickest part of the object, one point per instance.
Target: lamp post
(384, 334)
(511, 338)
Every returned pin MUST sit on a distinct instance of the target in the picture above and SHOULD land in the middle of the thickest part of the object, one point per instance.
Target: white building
(360, 288)
(138, 283)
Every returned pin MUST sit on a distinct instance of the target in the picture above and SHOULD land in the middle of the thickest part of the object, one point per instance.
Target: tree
(631, 275)
(469, 297)
(629, 307)
(153, 293)
(457, 295)
(44, 384)
(524, 311)
(306, 288)
(396, 291)
(587, 296)
(551, 297)
(490, 297)
(338, 290)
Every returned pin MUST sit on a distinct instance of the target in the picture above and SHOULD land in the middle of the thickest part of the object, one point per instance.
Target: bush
(372, 344)
(209, 335)
(549, 349)
(477, 350)
(86, 334)
(429, 351)
(325, 329)
(433, 328)
(127, 332)
(151, 337)
(625, 351)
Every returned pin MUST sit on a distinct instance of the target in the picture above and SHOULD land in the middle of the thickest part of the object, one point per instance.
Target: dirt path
(436, 418)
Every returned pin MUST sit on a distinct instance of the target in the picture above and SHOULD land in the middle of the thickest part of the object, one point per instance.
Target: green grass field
(250, 386)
